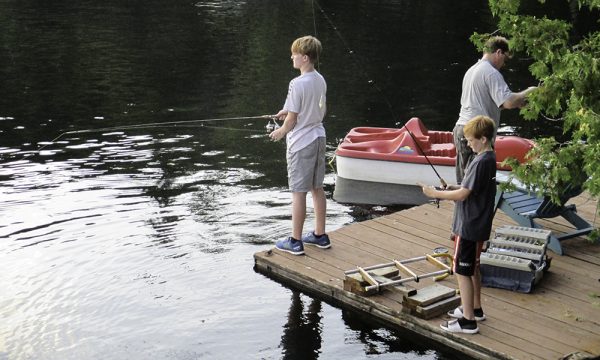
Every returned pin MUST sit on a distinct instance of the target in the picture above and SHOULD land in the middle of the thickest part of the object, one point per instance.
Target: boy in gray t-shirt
(303, 114)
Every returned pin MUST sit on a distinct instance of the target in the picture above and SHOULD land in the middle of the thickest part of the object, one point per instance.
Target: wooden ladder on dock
(426, 302)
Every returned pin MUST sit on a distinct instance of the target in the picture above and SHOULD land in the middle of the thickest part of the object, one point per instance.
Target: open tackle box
(515, 259)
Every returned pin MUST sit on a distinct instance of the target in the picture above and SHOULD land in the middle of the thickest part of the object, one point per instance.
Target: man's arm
(518, 100)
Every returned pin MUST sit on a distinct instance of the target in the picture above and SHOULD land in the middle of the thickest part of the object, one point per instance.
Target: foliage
(552, 169)
(569, 81)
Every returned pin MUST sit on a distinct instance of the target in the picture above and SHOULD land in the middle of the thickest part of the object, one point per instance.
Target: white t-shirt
(306, 97)
(483, 92)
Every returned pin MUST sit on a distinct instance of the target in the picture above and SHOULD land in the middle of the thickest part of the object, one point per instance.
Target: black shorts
(466, 256)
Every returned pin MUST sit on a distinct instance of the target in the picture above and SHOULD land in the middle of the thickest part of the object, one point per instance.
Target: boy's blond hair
(480, 126)
(309, 46)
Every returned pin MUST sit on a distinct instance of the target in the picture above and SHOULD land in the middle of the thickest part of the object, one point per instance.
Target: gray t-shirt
(474, 215)
(483, 92)
(306, 97)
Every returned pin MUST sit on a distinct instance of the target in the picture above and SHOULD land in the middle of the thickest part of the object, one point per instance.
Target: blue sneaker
(321, 241)
(290, 245)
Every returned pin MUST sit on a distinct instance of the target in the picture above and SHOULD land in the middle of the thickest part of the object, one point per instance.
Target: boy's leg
(464, 262)
(476, 278)
(476, 281)
(465, 255)
(465, 285)
(306, 171)
(320, 206)
(300, 179)
(293, 244)
(318, 194)
(298, 214)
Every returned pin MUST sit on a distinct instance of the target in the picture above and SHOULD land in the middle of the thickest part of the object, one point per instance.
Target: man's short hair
(480, 126)
(497, 42)
(309, 46)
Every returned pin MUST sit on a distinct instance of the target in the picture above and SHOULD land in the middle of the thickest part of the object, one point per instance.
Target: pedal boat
(381, 166)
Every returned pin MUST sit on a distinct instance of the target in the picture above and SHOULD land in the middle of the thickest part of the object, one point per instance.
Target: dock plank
(504, 312)
(560, 316)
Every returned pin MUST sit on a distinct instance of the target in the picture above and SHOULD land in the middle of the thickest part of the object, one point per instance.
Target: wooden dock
(560, 317)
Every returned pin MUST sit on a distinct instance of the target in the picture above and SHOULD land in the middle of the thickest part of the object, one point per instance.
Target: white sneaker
(458, 314)
(454, 326)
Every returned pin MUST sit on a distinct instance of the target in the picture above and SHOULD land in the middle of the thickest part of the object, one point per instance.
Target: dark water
(138, 243)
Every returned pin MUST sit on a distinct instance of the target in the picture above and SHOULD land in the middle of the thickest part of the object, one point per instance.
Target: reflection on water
(307, 335)
(301, 337)
(379, 341)
(140, 246)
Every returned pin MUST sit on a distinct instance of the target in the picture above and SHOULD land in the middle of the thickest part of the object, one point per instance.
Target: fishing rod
(162, 124)
(167, 123)
(372, 83)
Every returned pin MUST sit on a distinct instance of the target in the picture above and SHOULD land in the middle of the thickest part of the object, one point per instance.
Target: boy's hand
(444, 184)
(277, 135)
(428, 190)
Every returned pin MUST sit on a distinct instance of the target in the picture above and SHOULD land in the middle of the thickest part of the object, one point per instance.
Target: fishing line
(315, 32)
(233, 129)
(374, 84)
(159, 124)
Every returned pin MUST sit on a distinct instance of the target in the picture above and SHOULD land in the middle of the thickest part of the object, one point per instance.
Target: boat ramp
(559, 318)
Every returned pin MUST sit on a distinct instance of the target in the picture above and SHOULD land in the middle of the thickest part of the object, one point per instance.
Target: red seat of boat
(446, 150)
(381, 146)
(416, 141)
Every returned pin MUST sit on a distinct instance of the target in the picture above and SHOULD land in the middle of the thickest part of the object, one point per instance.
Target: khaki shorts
(306, 167)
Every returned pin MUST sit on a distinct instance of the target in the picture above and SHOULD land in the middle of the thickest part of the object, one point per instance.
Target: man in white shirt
(484, 92)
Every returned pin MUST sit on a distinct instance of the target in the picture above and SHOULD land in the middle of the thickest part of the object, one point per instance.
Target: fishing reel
(272, 126)
(437, 201)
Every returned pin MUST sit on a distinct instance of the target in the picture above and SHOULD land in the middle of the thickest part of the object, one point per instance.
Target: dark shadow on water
(380, 340)
(302, 333)
(301, 338)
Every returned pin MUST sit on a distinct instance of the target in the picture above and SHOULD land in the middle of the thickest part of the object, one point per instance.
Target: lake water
(138, 243)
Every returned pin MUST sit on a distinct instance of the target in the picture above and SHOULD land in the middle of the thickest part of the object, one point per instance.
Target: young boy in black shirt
(474, 214)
